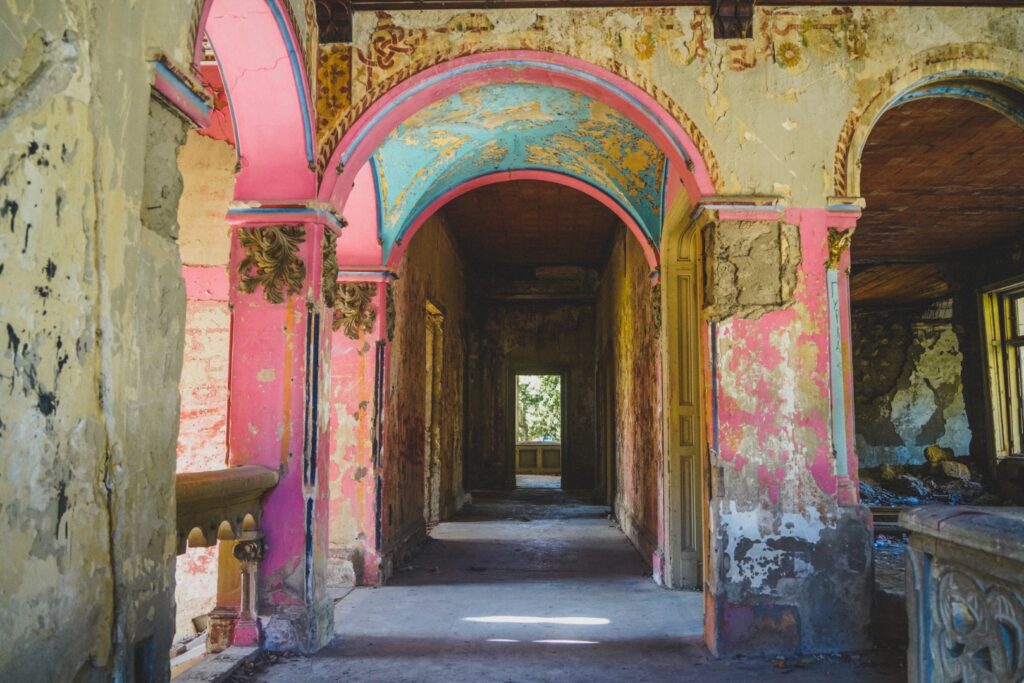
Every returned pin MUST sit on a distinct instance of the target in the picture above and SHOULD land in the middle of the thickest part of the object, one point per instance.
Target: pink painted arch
(511, 66)
(650, 253)
(262, 65)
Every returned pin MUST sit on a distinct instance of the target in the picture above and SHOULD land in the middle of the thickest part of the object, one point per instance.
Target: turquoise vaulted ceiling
(511, 127)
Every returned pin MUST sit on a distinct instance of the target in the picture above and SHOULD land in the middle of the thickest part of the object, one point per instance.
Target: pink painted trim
(589, 79)
(510, 176)
(269, 97)
(206, 283)
(772, 214)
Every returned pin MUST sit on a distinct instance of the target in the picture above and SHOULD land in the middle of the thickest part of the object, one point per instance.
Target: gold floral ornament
(788, 55)
(329, 268)
(272, 261)
(838, 243)
(354, 311)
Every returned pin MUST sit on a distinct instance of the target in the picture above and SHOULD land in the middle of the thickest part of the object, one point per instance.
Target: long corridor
(535, 585)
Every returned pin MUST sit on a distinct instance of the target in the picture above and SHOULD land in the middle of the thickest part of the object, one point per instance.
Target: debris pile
(942, 478)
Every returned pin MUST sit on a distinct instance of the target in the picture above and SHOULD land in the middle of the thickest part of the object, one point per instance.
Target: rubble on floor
(943, 478)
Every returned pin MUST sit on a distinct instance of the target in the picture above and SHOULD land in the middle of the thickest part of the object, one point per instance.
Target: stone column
(363, 326)
(282, 280)
(790, 550)
(249, 553)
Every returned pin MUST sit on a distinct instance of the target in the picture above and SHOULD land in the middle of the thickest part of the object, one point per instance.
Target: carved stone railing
(538, 457)
(226, 505)
(965, 594)
(214, 505)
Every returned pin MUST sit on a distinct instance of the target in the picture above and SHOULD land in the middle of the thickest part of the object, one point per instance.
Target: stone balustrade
(965, 594)
(226, 505)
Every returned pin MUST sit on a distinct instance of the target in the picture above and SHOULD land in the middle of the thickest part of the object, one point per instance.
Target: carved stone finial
(272, 261)
(354, 311)
(838, 242)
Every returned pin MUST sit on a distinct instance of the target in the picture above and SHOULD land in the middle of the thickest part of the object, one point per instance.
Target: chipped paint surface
(909, 388)
(515, 126)
(628, 344)
(811, 67)
(431, 271)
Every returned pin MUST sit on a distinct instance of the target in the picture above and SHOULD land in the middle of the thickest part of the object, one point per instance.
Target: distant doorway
(539, 431)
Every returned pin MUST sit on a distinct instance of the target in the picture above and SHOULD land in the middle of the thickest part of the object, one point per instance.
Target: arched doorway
(498, 123)
(936, 280)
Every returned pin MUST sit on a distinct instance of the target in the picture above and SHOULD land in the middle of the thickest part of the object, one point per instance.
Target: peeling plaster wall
(625, 324)
(789, 568)
(92, 308)
(908, 387)
(509, 337)
(207, 168)
(353, 472)
(811, 66)
(430, 271)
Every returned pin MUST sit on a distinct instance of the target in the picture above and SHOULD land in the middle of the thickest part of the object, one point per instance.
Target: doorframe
(684, 415)
(515, 370)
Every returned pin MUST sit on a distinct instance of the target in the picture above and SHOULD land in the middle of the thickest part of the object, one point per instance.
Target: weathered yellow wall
(772, 111)
(627, 334)
(92, 307)
(431, 270)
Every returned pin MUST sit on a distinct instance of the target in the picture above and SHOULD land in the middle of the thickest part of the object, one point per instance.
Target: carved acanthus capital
(838, 242)
(272, 261)
(354, 311)
(329, 268)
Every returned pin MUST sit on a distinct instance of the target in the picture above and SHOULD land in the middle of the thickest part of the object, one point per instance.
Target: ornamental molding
(329, 268)
(838, 243)
(272, 261)
(354, 311)
(979, 632)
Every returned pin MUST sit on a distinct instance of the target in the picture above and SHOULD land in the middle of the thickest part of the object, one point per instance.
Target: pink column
(359, 367)
(278, 412)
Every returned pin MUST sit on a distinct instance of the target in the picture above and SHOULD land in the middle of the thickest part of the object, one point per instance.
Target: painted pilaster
(359, 359)
(278, 412)
(790, 554)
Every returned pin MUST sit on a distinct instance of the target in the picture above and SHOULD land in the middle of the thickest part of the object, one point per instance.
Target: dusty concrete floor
(536, 586)
(538, 481)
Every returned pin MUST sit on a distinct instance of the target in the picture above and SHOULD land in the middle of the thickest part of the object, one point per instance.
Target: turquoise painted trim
(512, 63)
(835, 358)
(297, 212)
(378, 200)
(957, 75)
(965, 93)
(511, 127)
(183, 88)
(400, 235)
(293, 58)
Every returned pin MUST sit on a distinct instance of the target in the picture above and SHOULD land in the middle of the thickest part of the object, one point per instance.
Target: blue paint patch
(516, 126)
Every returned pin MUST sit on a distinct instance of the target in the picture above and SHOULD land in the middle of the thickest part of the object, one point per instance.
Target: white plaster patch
(758, 528)
(266, 375)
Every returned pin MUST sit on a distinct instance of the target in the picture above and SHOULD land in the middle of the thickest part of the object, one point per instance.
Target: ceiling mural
(516, 126)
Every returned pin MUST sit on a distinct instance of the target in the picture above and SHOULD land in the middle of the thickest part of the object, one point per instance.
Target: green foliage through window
(538, 408)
